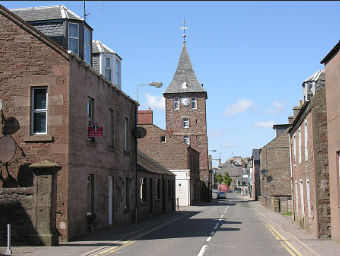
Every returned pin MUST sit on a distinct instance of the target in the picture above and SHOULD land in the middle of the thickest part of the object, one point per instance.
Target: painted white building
(107, 62)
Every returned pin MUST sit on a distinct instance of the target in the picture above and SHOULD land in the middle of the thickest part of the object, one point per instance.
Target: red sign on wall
(95, 131)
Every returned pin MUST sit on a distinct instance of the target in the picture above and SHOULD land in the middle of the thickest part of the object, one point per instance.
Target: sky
(251, 57)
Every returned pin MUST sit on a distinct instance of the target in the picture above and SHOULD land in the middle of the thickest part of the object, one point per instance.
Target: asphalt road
(228, 227)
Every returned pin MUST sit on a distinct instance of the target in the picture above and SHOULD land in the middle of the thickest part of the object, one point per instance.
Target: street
(228, 226)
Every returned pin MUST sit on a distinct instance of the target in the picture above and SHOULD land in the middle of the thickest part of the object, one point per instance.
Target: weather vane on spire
(184, 28)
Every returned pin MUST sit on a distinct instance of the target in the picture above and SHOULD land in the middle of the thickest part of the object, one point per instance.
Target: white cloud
(155, 102)
(264, 124)
(216, 133)
(277, 107)
(228, 145)
(240, 106)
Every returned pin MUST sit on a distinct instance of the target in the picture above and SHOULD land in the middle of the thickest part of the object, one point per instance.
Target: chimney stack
(145, 116)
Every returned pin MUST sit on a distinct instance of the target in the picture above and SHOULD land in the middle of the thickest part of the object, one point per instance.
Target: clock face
(185, 101)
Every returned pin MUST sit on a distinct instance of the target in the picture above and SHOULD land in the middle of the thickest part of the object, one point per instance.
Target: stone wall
(16, 208)
(274, 157)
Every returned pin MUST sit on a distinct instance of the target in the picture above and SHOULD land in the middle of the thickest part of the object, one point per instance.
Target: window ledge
(38, 138)
(91, 143)
(111, 148)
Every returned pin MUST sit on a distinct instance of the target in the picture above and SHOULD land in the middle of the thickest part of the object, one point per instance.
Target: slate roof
(54, 12)
(99, 47)
(147, 164)
(318, 75)
(184, 74)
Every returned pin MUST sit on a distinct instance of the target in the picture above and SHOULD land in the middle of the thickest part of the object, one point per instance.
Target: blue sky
(251, 57)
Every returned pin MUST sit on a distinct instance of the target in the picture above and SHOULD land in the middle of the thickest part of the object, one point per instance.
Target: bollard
(8, 251)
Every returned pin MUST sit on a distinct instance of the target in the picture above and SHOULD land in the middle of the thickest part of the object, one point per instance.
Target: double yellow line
(287, 245)
(115, 248)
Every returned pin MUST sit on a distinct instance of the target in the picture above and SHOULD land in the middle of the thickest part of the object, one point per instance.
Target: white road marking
(202, 251)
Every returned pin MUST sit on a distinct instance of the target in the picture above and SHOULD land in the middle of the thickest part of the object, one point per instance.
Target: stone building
(332, 75)
(55, 99)
(275, 165)
(156, 194)
(175, 155)
(255, 175)
(309, 160)
(185, 110)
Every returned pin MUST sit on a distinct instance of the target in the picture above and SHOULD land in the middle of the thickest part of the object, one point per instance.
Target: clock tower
(185, 112)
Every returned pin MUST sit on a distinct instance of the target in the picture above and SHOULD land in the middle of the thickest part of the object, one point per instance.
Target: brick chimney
(290, 119)
(145, 116)
(296, 109)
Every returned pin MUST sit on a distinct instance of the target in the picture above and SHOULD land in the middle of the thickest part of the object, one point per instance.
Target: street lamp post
(156, 84)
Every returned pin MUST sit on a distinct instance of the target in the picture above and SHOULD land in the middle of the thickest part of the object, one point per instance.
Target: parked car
(221, 194)
(230, 191)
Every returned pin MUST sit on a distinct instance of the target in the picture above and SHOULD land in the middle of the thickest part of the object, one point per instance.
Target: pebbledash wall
(30, 59)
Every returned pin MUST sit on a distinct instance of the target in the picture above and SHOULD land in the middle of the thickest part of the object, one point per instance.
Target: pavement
(115, 236)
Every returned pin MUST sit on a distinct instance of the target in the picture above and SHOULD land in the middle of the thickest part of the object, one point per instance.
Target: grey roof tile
(184, 79)
(41, 13)
(150, 165)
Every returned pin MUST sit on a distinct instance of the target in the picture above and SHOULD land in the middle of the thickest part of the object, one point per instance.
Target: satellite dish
(264, 172)
(7, 148)
(141, 132)
(0, 104)
(10, 126)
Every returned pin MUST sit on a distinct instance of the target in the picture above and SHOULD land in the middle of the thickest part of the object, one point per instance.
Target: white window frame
(107, 68)
(296, 199)
(300, 145)
(308, 198)
(143, 189)
(72, 37)
(302, 199)
(87, 58)
(163, 141)
(294, 148)
(186, 139)
(37, 110)
(185, 123)
(118, 73)
(306, 141)
(176, 103)
(193, 103)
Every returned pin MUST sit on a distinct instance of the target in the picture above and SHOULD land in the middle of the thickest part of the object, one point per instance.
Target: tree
(219, 178)
(227, 179)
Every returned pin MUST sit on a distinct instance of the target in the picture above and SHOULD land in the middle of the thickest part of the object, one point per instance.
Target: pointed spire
(184, 75)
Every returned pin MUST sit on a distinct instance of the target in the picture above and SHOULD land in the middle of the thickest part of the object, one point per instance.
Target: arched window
(176, 103)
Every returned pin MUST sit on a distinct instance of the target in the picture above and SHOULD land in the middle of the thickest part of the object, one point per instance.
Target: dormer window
(185, 85)
(108, 68)
(87, 46)
(117, 73)
(73, 37)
